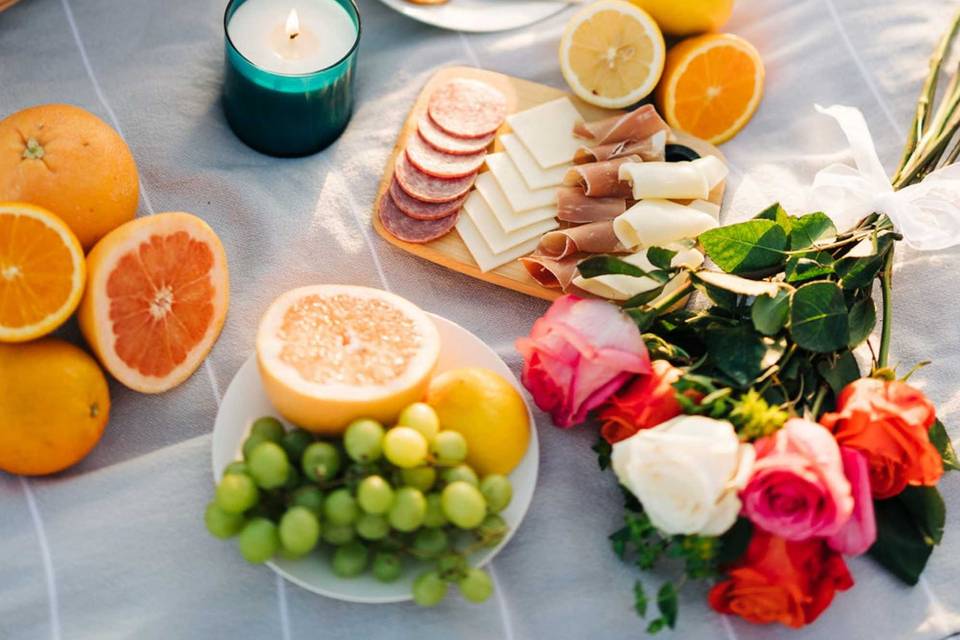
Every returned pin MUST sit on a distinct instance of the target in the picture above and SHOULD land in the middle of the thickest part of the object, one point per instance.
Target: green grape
(295, 443)
(259, 540)
(237, 466)
(363, 440)
(375, 495)
(268, 428)
(387, 567)
(497, 491)
(422, 478)
(220, 523)
(451, 565)
(434, 517)
(321, 461)
(340, 507)
(309, 496)
(423, 418)
(476, 585)
(429, 543)
(405, 447)
(251, 443)
(372, 527)
(463, 504)
(449, 447)
(350, 560)
(269, 465)
(236, 493)
(299, 530)
(491, 530)
(462, 473)
(337, 534)
(408, 509)
(429, 589)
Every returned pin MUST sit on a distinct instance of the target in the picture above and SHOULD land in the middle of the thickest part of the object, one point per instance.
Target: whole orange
(54, 405)
(71, 162)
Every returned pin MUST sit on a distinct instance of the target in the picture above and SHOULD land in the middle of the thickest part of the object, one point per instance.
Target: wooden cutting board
(6, 4)
(450, 251)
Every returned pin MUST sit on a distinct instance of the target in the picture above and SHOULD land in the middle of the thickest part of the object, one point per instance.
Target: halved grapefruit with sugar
(156, 298)
(329, 354)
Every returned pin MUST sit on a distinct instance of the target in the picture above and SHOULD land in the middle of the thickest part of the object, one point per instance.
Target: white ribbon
(926, 213)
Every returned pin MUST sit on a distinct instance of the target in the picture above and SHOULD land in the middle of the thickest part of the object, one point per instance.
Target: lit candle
(288, 87)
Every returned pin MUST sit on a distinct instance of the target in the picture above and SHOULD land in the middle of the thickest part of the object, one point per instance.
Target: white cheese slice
(497, 239)
(511, 218)
(658, 223)
(706, 207)
(519, 195)
(679, 180)
(621, 287)
(547, 131)
(533, 174)
(712, 169)
(481, 253)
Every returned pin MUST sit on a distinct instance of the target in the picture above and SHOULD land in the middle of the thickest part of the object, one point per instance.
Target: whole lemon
(488, 412)
(54, 405)
(687, 17)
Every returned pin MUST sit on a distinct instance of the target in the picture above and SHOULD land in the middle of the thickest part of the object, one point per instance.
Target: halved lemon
(712, 86)
(612, 54)
(42, 272)
(329, 354)
(157, 296)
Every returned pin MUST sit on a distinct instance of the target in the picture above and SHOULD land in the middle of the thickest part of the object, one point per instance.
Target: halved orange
(157, 296)
(711, 86)
(42, 272)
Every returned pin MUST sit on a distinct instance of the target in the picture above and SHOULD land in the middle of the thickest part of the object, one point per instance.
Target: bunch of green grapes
(377, 496)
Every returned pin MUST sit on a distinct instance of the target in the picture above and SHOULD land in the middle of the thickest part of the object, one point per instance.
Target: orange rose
(889, 423)
(782, 581)
(649, 400)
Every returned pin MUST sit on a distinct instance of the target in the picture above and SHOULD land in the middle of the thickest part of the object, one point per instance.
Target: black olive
(680, 153)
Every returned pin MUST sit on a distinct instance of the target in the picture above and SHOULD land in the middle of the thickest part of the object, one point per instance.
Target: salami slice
(440, 164)
(427, 188)
(423, 210)
(408, 229)
(467, 108)
(443, 141)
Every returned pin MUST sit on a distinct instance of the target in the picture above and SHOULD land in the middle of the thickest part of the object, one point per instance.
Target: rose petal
(860, 531)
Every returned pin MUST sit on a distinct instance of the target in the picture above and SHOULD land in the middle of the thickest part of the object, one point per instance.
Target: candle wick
(294, 35)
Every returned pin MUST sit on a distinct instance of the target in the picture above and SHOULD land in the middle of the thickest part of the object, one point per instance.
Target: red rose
(782, 581)
(646, 402)
(889, 423)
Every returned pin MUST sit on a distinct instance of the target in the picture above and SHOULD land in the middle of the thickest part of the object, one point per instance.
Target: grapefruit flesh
(156, 299)
(329, 354)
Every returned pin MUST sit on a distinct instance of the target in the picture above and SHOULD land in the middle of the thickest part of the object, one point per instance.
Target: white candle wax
(318, 35)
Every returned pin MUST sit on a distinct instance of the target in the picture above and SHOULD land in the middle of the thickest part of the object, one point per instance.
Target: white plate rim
(427, 14)
(533, 453)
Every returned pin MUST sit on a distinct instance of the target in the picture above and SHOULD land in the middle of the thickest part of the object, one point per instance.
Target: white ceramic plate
(245, 401)
(479, 15)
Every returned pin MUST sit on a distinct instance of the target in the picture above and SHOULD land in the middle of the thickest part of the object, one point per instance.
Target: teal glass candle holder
(288, 115)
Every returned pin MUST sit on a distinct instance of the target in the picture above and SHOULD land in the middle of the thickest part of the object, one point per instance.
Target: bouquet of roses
(754, 447)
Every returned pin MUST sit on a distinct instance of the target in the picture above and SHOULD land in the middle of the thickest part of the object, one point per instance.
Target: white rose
(686, 472)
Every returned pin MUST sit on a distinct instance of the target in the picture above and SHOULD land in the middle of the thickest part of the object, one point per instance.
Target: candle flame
(293, 24)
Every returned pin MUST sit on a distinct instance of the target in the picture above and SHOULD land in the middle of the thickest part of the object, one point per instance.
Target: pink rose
(860, 532)
(798, 489)
(578, 355)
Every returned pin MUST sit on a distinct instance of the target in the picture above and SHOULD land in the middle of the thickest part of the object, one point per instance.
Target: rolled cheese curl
(622, 287)
(674, 180)
(658, 223)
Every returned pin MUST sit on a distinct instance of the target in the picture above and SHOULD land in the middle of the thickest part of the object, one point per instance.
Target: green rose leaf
(740, 352)
(839, 371)
(643, 298)
(908, 527)
(661, 258)
(818, 317)
(808, 266)
(746, 247)
(777, 214)
(734, 542)
(809, 229)
(639, 599)
(861, 319)
(667, 603)
(606, 265)
(941, 440)
(859, 272)
(769, 314)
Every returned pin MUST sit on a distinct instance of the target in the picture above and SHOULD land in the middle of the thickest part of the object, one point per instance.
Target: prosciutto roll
(638, 124)
(573, 205)
(550, 272)
(596, 237)
(601, 179)
(652, 149)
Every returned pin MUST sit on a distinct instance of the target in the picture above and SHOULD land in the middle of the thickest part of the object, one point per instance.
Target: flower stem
(886, 330)
(818, 401)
